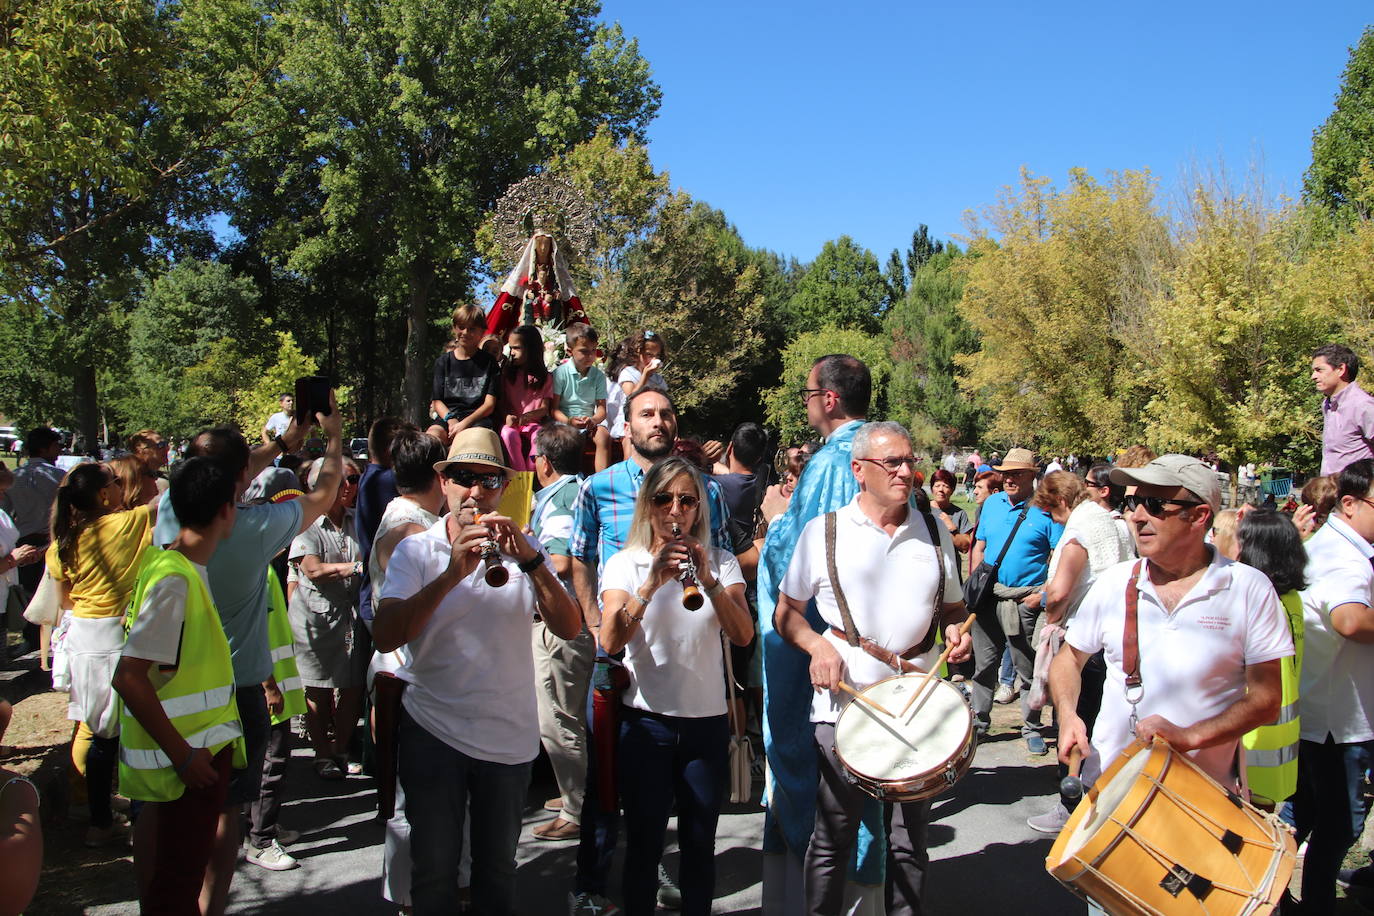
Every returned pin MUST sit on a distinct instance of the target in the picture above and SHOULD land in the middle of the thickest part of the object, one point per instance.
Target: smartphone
(312, 397)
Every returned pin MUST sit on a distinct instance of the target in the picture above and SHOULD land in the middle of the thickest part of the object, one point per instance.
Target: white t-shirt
(889, 582)
(674, 656)
(277, 423)
(1336, 696)
(1095, 530)
(156, 633)
(471, 669)
(1192, 662)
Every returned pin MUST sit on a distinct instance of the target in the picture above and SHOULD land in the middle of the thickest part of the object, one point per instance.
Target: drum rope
(1168, 865)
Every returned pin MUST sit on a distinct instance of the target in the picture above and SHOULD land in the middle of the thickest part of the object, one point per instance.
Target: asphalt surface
(985, 860)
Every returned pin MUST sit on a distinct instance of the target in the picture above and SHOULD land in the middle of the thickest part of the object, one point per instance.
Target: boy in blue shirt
(579, 391)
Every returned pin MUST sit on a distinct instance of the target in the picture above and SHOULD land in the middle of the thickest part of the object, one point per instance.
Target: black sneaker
(1361, 878)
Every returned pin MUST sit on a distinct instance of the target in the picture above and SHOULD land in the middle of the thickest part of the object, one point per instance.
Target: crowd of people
(548, 563)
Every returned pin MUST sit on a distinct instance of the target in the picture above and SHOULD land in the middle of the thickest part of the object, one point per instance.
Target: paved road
(986, 860)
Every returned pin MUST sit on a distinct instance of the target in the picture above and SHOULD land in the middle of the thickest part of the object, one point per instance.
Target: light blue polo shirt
(1028, 560)
(577, 393)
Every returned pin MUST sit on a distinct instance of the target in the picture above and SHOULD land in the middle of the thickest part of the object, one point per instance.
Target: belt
(886, 656)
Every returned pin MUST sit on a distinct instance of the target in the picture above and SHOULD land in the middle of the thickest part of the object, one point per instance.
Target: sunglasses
(685, 500)
(468, 478)
(893, 464)
(1154, 505)
(353, 478)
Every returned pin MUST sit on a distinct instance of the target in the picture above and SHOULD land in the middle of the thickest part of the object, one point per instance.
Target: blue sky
(804, 121)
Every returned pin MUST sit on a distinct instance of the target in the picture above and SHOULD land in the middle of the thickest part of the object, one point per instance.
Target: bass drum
(901, 758)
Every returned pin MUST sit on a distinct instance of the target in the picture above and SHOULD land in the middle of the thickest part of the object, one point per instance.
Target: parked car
(358, 448)
(9, 437)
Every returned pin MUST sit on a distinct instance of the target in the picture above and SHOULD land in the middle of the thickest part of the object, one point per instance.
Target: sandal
(327, 769)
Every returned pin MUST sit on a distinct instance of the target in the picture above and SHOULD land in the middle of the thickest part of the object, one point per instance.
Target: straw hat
(476, 445)
(1018, 459)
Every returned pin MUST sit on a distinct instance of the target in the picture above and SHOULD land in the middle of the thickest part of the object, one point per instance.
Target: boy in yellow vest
(180, 731)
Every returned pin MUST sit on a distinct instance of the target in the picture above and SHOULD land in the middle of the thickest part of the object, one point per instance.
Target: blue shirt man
(1028, 559)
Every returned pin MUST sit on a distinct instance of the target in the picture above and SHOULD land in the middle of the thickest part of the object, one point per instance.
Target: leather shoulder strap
(1130, 639)
(939, 565)
(851, 634)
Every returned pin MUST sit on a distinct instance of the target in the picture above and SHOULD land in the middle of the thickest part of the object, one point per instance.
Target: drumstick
(1071, 786)
(863, 699)
(963, 628)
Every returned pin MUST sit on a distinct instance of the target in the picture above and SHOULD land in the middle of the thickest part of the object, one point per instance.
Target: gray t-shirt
(238, 578)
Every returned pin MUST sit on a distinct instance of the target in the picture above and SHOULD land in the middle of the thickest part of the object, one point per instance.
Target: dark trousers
(989, 639)
(263, 813)
(1089, 705)
(444, 786)
(665, 759)
(387, 692)
(29, 578)
(1329, 809)
(839, 809)
(101, 761)
(600, 816)
(184, 839)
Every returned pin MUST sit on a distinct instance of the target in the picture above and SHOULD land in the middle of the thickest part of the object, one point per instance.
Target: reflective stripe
(290, 684)
(1287, 714)
(157, 759)
(281, 652)
(1276, 757)
(192, 703)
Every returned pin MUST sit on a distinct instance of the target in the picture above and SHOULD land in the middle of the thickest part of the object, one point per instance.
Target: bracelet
(716, 589)
(24, 779)
(642, 606)
(186, 763)
(530, 565)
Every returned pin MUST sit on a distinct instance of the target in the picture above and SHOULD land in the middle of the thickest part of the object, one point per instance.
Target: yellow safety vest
(1271, 751)
(198, 699)
(283, 651)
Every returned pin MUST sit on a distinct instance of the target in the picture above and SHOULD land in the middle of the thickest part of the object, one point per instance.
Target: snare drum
(1156, 835)
(907, 757)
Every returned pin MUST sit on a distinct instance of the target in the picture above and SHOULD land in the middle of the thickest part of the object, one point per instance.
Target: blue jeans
(445, 785)
(1329, 810)
(663, 758)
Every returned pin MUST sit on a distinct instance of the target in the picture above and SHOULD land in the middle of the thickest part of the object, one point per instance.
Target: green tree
(782, 404)
(922, 249)
(415, 115)
(928, 334)
(844, 288)
(1345, 141)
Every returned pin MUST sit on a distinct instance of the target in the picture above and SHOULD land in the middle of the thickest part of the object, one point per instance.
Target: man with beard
(601, 525)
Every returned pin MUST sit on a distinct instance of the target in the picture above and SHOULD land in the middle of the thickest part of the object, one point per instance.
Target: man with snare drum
(1209, 641)
(898, 565)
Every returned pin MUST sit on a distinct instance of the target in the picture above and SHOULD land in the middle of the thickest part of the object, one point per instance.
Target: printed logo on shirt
(1215, 622)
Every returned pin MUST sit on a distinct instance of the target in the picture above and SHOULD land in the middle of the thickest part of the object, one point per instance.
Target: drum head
(933, 732)
(1109, 798)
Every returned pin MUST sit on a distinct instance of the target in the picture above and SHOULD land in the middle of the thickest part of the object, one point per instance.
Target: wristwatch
(530, 565)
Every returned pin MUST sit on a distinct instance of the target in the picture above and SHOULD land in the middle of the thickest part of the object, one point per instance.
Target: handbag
(741, 751)
(978, 595)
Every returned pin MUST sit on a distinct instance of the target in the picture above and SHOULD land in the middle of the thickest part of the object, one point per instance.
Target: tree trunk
(87, 416)
(418, 357)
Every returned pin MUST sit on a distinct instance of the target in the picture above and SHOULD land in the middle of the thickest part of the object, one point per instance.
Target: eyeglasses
(353, 478)
(893, 464)
(1154, 505)
(806, 393)
(685, 500)
(468, 478)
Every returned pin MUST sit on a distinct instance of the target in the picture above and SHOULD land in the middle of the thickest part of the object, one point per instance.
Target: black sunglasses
(1154, 505)
(468, 478)
(353, 478)
(686, 500)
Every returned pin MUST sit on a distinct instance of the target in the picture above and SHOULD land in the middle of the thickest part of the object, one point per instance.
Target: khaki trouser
(562, 674)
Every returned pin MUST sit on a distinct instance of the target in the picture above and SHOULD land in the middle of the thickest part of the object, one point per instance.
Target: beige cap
(476, 445)
(1174, 471)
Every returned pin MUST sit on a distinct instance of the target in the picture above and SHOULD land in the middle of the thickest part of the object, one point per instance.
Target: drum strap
(1130, 641)
(851, 633)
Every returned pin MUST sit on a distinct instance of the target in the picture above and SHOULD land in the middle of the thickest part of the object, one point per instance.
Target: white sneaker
(1052, 821)
(1003, 694)
(590, 905)
(272, 858)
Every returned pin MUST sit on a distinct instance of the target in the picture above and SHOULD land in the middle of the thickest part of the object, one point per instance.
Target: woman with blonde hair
(673, 731)
(137, 487)
(94, 558)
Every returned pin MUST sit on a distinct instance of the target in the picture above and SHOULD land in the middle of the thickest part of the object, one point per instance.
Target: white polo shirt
(889, 582)
(1192, 662)
(471, 669)
(1336, 696)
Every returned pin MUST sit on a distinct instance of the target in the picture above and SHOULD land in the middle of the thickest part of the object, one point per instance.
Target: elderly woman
(1090, 544)
(673, 731)
(942, 484)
